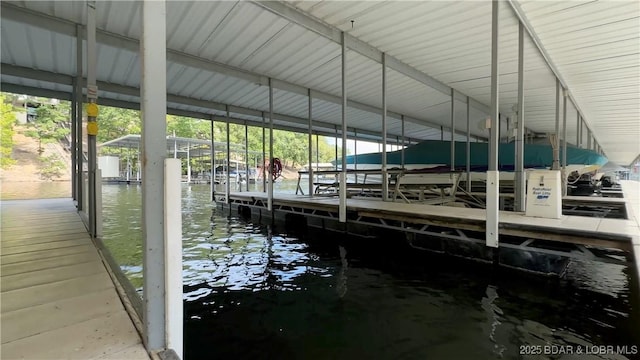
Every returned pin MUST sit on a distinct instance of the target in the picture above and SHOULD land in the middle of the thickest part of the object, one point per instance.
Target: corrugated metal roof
(222, 52)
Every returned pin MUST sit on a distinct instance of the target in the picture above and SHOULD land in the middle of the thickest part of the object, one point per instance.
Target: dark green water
(257, 291)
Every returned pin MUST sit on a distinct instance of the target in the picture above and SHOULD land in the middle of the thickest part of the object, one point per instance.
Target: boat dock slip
(458, 223)
(58, 299)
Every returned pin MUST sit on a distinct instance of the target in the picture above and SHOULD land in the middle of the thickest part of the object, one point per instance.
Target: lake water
(256, 291)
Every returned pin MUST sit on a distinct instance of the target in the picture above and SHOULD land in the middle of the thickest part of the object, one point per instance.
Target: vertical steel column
(355, 152)
(317, 153)
(270, 188)
(468, 183)
(564, 142)
(577, 128)
(342, 210)
(336, 145)
(74, 132)
(441, 133)
(385, 180)
(403, 146)
(227, 185)
(154, 131)
(188, 163)
(246, 154)
(92, 111)
(310, 143)
(588, 138)
(556, 144)
(264, 154)
(78, 109)
(519, 173)
(453, 131)
(493, 175)
(213, 163)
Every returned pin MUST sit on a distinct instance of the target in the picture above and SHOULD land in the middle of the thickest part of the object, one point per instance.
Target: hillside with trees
(49, 123)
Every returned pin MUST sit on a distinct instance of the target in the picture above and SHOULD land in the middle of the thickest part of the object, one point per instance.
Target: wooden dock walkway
(58, 300)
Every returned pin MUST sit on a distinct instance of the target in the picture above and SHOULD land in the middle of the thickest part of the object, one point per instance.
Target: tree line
(52, 123)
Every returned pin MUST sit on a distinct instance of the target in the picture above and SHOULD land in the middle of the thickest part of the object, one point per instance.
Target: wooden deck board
(58, 300)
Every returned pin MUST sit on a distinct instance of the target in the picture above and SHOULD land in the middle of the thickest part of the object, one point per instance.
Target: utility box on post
(544, 194)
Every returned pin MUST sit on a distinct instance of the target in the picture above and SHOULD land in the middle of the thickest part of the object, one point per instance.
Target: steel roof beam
(15, 13)
(132, 91)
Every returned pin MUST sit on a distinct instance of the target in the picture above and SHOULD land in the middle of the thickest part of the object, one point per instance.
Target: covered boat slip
(58, 299)
(603, 233)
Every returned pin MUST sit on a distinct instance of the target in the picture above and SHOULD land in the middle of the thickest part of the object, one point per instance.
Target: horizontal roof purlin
(223, 54)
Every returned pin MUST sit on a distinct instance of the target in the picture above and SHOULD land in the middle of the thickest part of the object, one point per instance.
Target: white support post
(493, 175)
(92, 111)
(468, 157)
(403, 144)
(79, 147)
(173, 255)
(310, 143)
(188, 163)
(556, 144)
(564, 142)
(98, 188)
(342, 210)
(578, 130)
(228, 171)
(247, 174)
(385, 178)
(212, 175)
(264, 154)
(520, 188)
(268, 173)
(453, 131)
(154, 111)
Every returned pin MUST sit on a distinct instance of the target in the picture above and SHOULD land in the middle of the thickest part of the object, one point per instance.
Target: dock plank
(90, 339)
(58, 300)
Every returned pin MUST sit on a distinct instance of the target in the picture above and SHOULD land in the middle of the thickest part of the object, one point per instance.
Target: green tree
(51, 122)
(116, 122)
(7, 120)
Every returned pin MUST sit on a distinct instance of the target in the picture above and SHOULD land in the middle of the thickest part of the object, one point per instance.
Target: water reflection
(253, 290)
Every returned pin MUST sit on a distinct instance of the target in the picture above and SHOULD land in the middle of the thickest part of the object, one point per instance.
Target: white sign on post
(544, 194)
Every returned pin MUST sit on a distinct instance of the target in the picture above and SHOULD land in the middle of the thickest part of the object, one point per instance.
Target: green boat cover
(437, 152)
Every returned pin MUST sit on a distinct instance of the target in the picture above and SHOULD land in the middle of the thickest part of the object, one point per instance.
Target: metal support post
(564, 143)
(228, 170)
(92, 111)
(403, 145)
(188, 163)
(588, 138)
(310, 142)
(270, 183)
(578, 130)
(468, 157)
(264, 154)
(441, 133)
(213, 163)
(556, 144)
(173, 255)
(154, 127)
(74, 133)
(342, 210)
(246, 155)
(78, 109)
(493, 175)
(336, 145)
(453, 130)
(519, 173)
(385, 180)
(355, 153)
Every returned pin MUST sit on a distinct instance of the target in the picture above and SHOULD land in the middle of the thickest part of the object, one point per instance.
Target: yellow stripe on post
(92, 110)
(92, 128)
